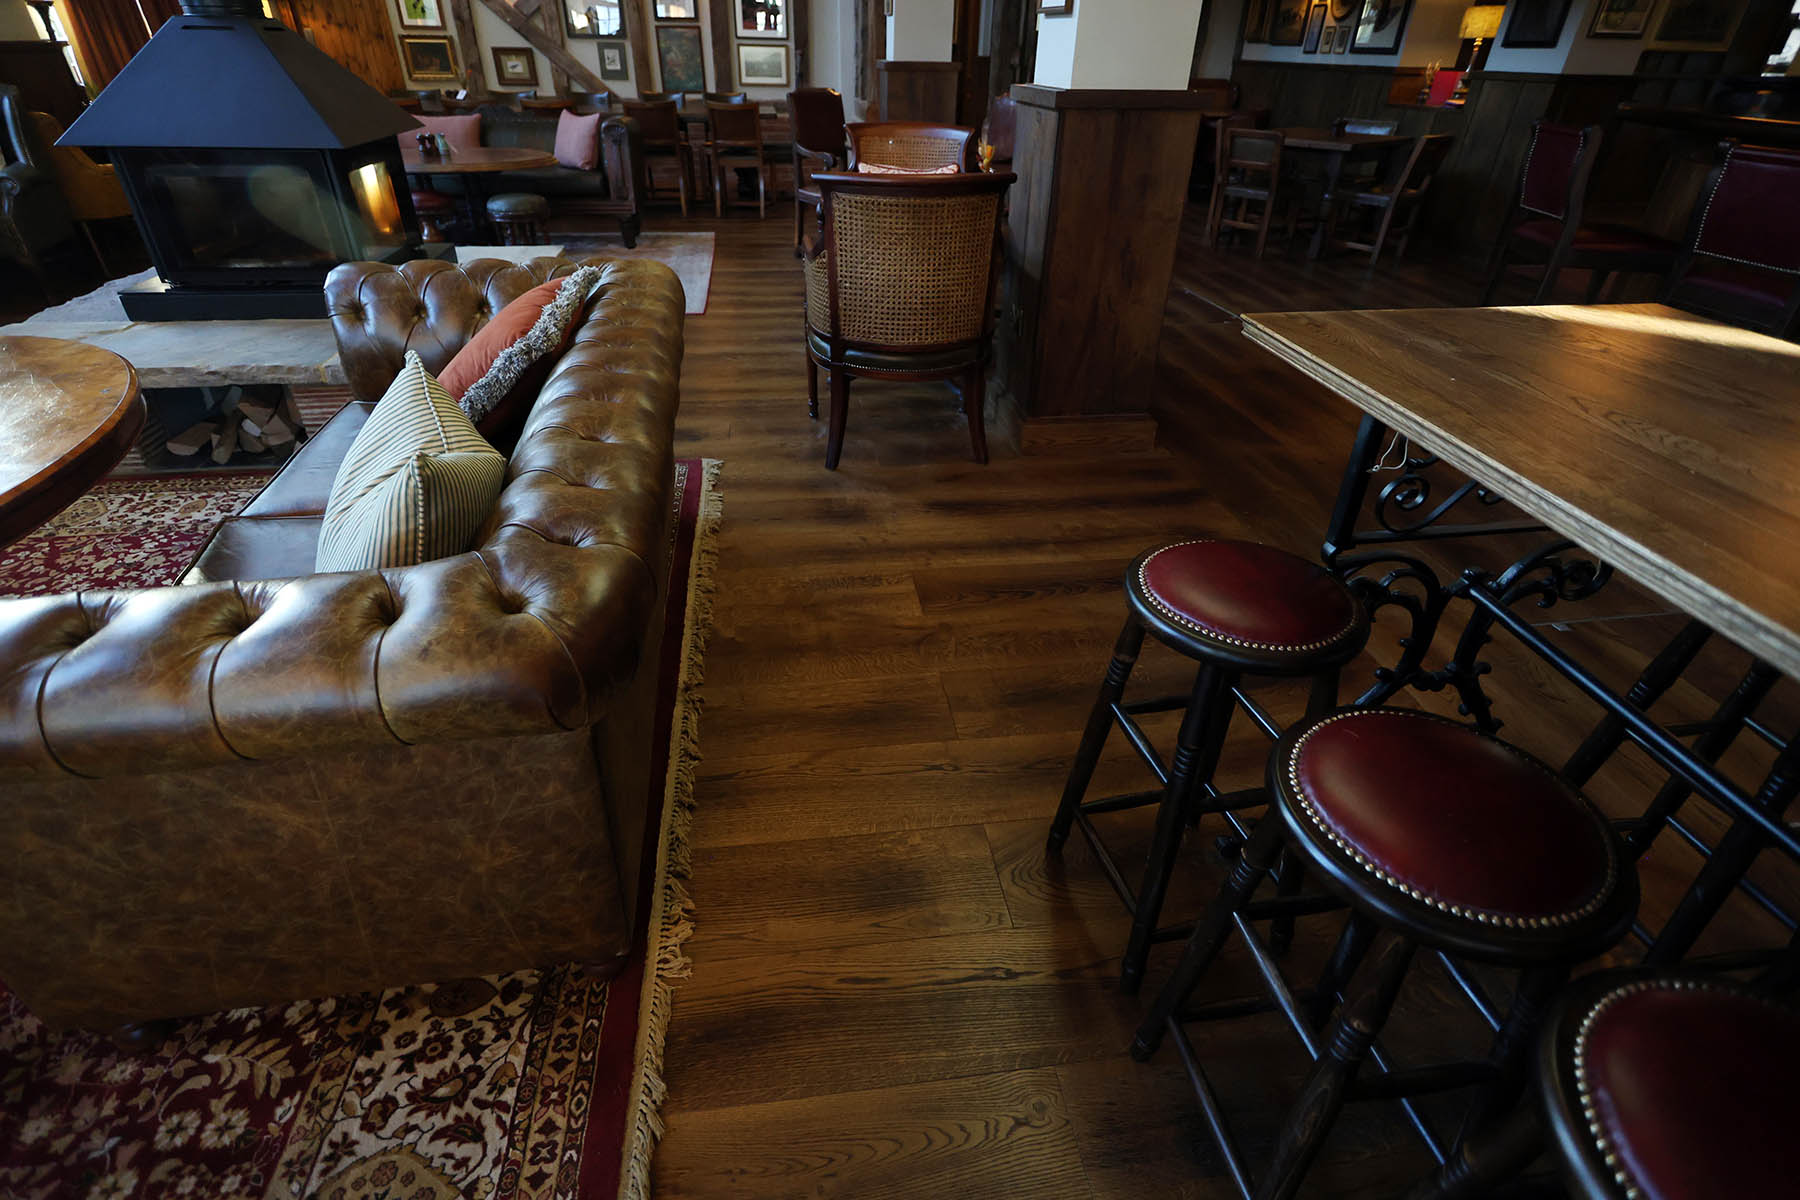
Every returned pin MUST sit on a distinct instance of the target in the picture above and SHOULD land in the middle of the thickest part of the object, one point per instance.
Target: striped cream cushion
(416, 484)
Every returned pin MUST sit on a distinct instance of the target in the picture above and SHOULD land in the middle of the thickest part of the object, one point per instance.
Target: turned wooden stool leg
(1093, 737)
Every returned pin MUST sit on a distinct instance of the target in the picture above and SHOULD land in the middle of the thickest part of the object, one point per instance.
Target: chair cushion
(1451, 817)
(1600, 239)
(1247, 596)
(955, 358)
(303, 484)
(872, 168)
(258, 548)
(578, 140)
(1687, 1088)
(517, 204)
(497, 376)
(416, 484)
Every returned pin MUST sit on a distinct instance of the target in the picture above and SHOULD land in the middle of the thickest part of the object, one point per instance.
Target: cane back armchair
(910, 145)
(900, 286)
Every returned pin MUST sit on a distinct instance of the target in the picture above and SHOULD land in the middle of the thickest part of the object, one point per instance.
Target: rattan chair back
(908, 263)
(658, 122)
(911, 145)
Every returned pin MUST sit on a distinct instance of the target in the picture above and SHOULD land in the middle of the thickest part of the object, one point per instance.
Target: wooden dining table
(473, 167)
(68, 414)
(1665, 443)
(1333, 149)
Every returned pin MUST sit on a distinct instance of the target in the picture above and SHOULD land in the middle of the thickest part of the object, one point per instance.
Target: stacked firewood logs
(252, 423)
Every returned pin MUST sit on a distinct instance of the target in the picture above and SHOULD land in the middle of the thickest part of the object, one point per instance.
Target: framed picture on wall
(1056, 8)
(1700, 24)
(1620, 18)
(429, 58)
(679, 58)
(762, 65)
(612, 62)
(595, 18)
(1535, 24)
(1315, 29)
(515, 66)
(420, 14)
(1380, 24)
(763, 18)
(677, 10)
(1256, 21)
(1287, 22)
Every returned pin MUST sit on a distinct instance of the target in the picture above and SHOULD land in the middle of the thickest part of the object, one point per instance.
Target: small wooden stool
(434, 209)
(1235, 608)
(519, 217)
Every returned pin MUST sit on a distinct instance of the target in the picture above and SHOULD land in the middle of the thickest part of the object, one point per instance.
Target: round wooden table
(68, 413)
(473, 166)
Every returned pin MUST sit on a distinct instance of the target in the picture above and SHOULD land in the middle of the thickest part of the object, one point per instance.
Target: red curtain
(106, 33)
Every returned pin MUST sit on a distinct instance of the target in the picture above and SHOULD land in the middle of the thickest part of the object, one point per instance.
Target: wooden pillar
(1093, 222)
(918, 91)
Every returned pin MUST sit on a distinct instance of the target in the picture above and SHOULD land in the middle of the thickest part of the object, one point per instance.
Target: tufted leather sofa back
(531, 632)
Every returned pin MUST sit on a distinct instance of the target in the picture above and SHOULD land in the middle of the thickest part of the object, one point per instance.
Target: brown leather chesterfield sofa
(279, 785)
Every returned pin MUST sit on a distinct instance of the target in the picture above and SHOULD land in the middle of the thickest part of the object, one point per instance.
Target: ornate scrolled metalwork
(1547, 575)
(1405, 583)
(1411, 491)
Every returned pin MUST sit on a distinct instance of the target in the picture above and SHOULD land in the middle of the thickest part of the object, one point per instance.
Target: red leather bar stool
(1654, 1086)
(1236, 608)
(1437, 836)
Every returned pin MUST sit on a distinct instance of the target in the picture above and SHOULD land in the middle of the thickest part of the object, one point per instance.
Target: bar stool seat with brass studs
(519, 216)
(1236, 608)
(1436, 835)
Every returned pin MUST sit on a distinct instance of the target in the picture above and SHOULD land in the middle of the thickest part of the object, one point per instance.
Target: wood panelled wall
(1642, 174)
(354, 32)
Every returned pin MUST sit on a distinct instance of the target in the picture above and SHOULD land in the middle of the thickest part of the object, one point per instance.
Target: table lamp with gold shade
(1480, 23)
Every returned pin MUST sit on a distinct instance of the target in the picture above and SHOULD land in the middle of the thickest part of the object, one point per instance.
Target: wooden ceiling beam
(546, 44)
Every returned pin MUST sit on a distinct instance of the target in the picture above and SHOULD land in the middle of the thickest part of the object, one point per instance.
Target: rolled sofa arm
(528, 633)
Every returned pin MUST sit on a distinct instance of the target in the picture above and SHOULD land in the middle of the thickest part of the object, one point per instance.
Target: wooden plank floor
(893, 993)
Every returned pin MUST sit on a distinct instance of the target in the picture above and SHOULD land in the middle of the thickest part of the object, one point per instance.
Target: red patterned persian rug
(533, 1085)
(125, 533)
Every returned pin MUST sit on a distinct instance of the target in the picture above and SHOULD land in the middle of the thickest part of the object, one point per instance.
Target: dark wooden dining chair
(1741, 262)
(910, 145)
(900, 286)
(675, 98)
(595, 102)
(1401, 191)
(659, 126)
(1247, 181)
(1546, 228)
(817, 114)
(725, 97)
(734, 142)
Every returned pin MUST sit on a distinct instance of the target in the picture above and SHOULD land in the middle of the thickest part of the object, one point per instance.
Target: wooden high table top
(68, 413)
(480, 161)
(1665, 443)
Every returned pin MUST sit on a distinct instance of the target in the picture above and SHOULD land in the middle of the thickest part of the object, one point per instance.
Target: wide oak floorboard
(893, 992)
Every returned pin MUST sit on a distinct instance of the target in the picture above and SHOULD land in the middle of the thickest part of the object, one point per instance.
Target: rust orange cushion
(497, 416)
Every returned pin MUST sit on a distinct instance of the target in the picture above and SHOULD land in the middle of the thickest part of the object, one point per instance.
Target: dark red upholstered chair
(1672, 1087)
(1546, 226)
(1742, 259)
(1237, 609)
(817, 114)
(1437, 837)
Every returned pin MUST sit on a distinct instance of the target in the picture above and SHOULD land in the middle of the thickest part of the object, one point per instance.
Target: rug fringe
(672, 917)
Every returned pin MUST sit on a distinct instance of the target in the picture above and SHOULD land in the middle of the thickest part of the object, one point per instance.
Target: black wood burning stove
(253, 163)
